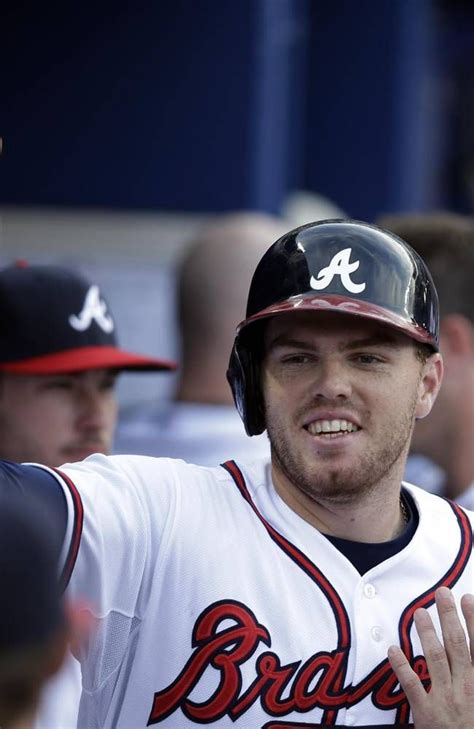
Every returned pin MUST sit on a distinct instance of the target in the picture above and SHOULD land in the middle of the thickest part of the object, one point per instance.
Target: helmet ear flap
(243, 375)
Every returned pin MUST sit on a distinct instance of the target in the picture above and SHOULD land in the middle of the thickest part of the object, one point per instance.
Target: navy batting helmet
(345, 266)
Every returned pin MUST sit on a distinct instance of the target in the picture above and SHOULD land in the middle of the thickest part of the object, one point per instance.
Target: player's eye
(297, 358)
(368, 359)
(62, 383)
(108, 383)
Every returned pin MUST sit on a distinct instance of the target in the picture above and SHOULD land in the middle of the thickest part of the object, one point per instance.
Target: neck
(375, 516)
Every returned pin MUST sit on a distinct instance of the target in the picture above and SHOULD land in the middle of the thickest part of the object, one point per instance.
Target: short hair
(445, 241)
(214, 276)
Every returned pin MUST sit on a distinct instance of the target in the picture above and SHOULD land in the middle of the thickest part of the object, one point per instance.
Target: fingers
(446, 663)
(454, 636)
(450, 701)
(409, 681)
(467, 607)
(433, 650)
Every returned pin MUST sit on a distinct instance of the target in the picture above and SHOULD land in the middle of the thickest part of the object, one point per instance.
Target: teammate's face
(53, 419)
(341, 395)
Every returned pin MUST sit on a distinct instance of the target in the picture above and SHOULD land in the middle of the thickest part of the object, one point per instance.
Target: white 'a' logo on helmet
(94, 308)
(339, 266)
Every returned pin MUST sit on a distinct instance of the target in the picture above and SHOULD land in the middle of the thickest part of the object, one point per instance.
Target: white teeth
(331, 426)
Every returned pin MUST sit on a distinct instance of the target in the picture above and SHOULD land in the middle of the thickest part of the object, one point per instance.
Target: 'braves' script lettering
(280, 688)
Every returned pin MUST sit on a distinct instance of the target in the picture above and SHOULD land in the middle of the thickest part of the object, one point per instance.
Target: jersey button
(369, 591)
(377, 633)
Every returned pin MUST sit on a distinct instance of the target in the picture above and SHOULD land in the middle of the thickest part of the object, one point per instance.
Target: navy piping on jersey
(315, 574)
(340, 614)
(427, 598)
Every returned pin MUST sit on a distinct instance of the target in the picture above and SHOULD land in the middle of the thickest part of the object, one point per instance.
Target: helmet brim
(348, 306)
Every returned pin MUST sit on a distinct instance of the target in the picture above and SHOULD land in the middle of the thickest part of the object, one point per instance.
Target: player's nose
(331, 380)
(93, 411)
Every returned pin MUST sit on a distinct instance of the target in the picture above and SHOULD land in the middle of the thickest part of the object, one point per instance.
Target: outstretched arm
(41, 490)
(450, 702)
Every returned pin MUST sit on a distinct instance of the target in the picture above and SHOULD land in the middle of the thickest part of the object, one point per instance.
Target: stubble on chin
(342, 485)
(336, 485)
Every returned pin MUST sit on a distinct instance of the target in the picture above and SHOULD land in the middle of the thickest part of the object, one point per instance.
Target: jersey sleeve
(119, 512)
(39, 487)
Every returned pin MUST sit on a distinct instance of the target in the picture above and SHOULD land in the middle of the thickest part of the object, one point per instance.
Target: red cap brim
(86, 358)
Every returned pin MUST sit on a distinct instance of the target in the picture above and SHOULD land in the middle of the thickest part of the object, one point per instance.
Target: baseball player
(59, 361)
(313, 590)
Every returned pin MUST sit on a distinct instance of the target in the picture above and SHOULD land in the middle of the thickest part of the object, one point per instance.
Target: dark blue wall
(210, 105)
(180, 105)
(371, 115)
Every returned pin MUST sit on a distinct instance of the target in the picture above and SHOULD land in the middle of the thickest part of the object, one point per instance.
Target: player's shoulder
(142, 473)
(249, 474)
(144, 489)
(146, 473)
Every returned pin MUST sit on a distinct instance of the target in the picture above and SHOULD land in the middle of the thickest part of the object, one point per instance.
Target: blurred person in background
(35, 627)
(59, 361)
(442, 447)
(201, 424)
(306, 206)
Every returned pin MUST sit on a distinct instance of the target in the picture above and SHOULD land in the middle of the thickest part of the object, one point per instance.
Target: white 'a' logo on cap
(339, 266)
(94, 308)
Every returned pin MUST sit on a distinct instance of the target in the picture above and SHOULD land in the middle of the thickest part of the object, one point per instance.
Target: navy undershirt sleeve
(41, 491)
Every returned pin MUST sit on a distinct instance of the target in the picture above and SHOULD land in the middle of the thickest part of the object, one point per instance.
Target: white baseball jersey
(216, 604)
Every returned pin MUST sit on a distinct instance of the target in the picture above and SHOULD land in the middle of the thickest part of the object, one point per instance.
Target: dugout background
(123, 126)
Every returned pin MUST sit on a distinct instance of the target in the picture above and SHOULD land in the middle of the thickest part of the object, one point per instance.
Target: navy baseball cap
(53, 321)
(31, 608)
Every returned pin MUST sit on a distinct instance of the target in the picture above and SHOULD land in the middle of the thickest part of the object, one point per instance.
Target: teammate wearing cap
(287, 594)
(59, 360)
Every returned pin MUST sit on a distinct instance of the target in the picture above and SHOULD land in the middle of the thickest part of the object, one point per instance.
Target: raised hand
(450, 702)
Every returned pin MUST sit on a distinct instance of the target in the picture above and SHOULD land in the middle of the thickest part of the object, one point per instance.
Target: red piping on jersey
(297, 556)
(406, 621)
(76, 530)
(340, 613)
(428, 598)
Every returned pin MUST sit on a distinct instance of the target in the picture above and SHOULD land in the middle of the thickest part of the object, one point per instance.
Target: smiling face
(53, 419)
(341, 394)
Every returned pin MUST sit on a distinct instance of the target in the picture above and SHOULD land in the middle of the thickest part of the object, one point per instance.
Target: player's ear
(430, 382)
